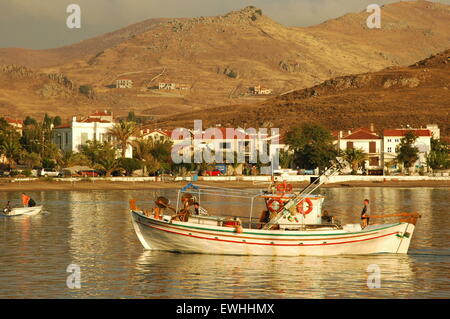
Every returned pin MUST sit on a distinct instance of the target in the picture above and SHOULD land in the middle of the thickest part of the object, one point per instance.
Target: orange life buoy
(275, 205)
(300, 206)
(284, 188)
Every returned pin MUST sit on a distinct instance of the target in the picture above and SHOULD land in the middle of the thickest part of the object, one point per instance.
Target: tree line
(312, 147)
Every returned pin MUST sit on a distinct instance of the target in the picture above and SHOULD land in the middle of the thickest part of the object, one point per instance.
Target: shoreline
(120, 185)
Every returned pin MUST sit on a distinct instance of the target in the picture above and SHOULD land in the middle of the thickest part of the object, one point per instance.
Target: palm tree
(154, 155)
(355, 157)
(122, 133)
(106, 159)
(11, 148)
(142, 151)
(31, 159)
(69, 159)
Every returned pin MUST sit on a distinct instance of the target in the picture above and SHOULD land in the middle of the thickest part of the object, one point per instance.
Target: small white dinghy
(23, 211)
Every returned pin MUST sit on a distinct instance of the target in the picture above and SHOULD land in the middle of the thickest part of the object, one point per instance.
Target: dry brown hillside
(397, 96)
(219, 58)
(26, 92)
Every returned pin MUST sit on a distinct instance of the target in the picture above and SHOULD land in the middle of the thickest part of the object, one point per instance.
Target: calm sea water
(93, 230)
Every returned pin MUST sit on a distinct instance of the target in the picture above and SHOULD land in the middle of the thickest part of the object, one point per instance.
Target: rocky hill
(217, 59)
(397, 96)
(26, 92)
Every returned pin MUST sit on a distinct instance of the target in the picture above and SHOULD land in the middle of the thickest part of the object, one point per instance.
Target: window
(389, 140)
(374, 161)
(67, 138)
(349, 145)
(225, 146)
(389, 149)
(397, 140)
(372, 147)
(84, 138)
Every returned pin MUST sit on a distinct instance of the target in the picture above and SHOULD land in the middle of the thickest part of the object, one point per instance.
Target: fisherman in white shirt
(199, 210)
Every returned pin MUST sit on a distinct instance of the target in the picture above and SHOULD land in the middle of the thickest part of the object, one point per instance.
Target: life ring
(275, 205)
(300, 206)
(284, 188)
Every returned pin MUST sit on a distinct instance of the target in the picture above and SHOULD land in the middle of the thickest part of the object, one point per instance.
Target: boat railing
(200, 190)
(246, 222)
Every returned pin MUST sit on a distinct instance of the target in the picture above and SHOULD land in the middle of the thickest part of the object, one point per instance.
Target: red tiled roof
(12, 121)
(63, 126)
(103, 113)
(362, 134)
(403, 132)
(235, 134)
(94, 120)
(150, 131)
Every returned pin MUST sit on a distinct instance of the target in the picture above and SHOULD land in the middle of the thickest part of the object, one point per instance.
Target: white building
(94, 128)
(124, 84)
(258, 90)
(16, 124)
(225, 141)
(156, 134)
(172, 86)
(392, 139)
(369, 142)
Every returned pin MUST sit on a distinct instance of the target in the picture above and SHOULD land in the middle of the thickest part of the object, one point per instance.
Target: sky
(41, 24)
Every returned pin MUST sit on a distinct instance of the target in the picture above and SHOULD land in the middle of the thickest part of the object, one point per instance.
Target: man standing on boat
(365, 214)
(27, 201)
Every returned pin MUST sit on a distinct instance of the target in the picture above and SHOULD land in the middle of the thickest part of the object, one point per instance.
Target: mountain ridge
(217, 59)
(396, 96)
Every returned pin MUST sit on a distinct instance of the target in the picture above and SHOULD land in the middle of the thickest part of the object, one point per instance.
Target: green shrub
(232, 74)
(27, 173)
(87, 90)
(14, 173)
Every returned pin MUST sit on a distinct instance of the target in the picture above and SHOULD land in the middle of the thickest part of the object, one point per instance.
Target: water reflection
(93, 229)
(164, 275)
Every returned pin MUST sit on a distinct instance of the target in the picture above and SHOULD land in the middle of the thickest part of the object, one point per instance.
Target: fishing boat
(23, 211)
(292, 225)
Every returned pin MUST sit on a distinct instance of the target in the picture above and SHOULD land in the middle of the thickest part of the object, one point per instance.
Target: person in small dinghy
(7, 208)
(27, 201)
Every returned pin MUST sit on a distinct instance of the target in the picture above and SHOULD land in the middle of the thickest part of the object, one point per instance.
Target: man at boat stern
(365, 214)
(27, 201)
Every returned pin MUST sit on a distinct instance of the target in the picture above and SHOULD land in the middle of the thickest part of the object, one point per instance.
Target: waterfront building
(16, 124)
(369, 142)
(93, 128)
(393, 137)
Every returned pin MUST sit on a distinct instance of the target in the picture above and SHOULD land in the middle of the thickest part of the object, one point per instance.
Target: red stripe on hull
(267, 244)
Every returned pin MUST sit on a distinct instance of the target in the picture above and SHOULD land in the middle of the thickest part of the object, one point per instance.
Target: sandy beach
(7, 186)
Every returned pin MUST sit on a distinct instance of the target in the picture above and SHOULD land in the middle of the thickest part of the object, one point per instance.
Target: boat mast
(306, 192)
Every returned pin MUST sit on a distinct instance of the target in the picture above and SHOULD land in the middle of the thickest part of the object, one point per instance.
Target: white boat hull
(189, 237)
(24, 211)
